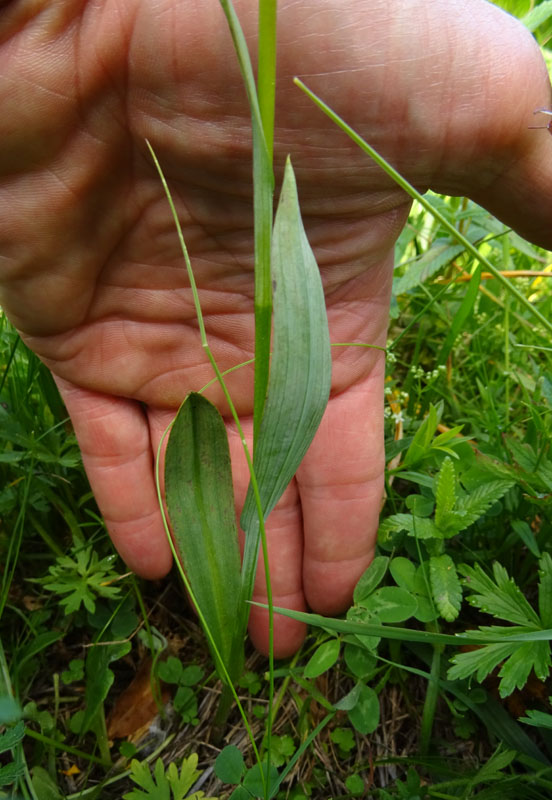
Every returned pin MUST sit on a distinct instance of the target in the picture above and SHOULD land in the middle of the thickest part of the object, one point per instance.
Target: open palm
(91, 271)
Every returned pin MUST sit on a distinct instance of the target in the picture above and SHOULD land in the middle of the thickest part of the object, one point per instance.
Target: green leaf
(480, 499)
(45, 788)
(370, 578)
(527, 536)
(300, 373)
(281, 749)
(200, 500)
(445, 586)
(442, 252)
(253, 780)
(323, 658)
(545, 590)
(9, 773)
(365, 715)
(466, 307)
(392, 604)
(229, 765)
(516, 669)
(182, 782)
(99, 678)
(419, 527)
(355, 785)
(539, 719)
(445, 493)
(156, 787)
(170, 670)
(500, 597)
(359, 660)
(538, 15)
(421, 443)
(10, 710)
(12, 736)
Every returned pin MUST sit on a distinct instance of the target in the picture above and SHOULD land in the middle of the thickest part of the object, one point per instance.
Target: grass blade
(200, 501)
(409, 189)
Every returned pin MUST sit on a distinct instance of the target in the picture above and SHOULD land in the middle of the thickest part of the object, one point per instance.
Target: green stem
(430, 702)
(409, 189)
(266, 71)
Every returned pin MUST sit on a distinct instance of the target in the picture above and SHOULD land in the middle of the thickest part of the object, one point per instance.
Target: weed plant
(436, 682)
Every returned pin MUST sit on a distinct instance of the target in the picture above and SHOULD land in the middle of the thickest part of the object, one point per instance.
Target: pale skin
(90, 269)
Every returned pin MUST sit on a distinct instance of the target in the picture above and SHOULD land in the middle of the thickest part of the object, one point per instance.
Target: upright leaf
(200, 501)
(445, 586)
(300, 374)
(445, 493)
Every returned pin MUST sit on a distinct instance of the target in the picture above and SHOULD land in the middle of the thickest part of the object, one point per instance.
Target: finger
(115, 443)
(341, 483)
(285, 556)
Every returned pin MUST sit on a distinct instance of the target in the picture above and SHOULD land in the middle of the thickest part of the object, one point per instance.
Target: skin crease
(90, 269)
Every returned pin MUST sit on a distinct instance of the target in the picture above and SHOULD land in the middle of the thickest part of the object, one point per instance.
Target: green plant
(164, 784)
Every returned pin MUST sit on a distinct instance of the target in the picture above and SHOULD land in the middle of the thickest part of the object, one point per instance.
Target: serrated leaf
(200, 500)
(323, 658)
(480, 499)
(481, 661)
(420, 527)
(445, 586)
(441, 253)
(445, 492)
(516, 669)
(545, 590)
(12, 736)
(9, 773)
(370, 578)
(501, 597)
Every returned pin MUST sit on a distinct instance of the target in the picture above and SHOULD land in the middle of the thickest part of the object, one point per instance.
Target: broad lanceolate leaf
(445, 586)
(200, 501)
(300, 373)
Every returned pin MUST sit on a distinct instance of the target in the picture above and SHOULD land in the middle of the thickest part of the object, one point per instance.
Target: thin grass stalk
(409, 189)
(263, 189)
(266, 70)
(254, 485)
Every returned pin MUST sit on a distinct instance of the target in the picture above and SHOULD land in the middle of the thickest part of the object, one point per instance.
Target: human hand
(92, 274)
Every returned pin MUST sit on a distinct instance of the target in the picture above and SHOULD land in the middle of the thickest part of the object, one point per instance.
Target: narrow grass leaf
(300, 374)
(200, 501)
(466, 307)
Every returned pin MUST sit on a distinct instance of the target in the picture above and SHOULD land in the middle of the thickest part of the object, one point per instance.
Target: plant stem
(409, 189)
(432, 694)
